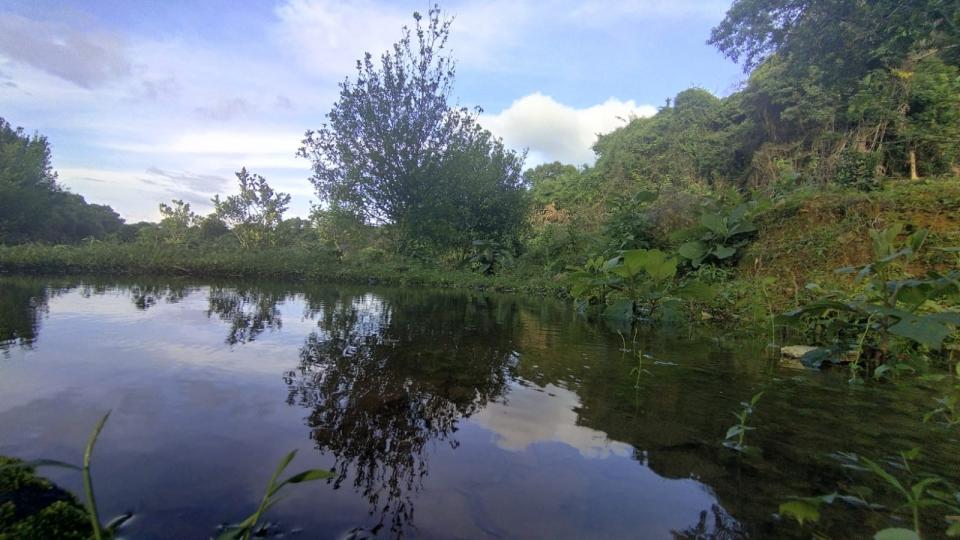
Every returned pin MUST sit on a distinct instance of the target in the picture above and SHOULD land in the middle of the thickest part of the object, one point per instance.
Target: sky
(150, 101)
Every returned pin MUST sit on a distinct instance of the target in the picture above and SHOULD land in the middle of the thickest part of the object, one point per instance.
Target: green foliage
(555, 183)
(916, 492)
(34, 207)
(627, 226)
(859, 169)
(65, 519)
(176, 221)
(396, 152)
(489, 256)
(251, 527)
(682, 145)
(256, 213)
(720, 234)
(634, 283)
(35, 508)
(948, 410)
(888, 303)
(734, 439)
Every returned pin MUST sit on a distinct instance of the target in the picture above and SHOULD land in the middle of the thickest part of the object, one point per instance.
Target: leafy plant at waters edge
(920, 311)
(251, 526)
(636, 282)
(948, 411)
(916, 491)
(243, 530)
(720, 234)
(737, 432)
(638, 369)
(489, 256)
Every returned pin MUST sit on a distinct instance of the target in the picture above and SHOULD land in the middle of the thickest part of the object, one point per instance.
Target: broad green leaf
(659, 266)
(308, 476)
(723, 252)
(692, 250)
(925, 330)
(634, 260)
(695, 290)
(896, 533)
(801, 510)
(715, 223)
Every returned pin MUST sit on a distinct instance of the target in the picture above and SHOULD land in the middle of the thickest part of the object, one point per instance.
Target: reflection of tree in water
(723, 527)
(147, 296)
(248, 311)
(23, 301)
(383, 380)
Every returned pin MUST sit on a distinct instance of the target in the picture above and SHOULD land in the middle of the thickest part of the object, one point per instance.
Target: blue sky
(153, 100)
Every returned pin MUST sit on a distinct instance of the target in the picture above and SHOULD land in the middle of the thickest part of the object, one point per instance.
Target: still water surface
(443, 415)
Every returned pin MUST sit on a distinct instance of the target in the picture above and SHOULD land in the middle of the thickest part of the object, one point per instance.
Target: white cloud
(603, 11)
(531, 415)
(328, 36)
(82, 55)
(557, 132)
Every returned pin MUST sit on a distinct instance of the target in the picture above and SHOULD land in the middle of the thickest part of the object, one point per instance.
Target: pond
(442, 414)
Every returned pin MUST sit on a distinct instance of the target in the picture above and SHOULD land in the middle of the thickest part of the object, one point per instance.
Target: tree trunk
(913, 165)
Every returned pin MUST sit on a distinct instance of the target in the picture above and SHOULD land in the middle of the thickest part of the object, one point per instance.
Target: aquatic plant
(736, 434)
(243, 530)
(638, 369)
(251, 525)
(99, 530)
(948, 410)
(916, 491)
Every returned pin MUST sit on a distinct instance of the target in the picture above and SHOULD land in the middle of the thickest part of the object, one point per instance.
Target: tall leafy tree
(255, 213)
(176, 220)
(395, 148)
(33, 205)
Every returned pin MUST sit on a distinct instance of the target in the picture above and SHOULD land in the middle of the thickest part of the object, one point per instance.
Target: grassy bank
(804, 237)
(286, 263)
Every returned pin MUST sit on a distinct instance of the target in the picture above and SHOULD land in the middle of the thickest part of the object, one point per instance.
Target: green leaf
(659, 266)
(896, 533)
(723, 252)
(634, 260)
(40, 463)
(953, 530)
(695, 290)
(692, 250)
(734, 431)
(801, 510)
(715, 223)
(307, 476)
(925, 330)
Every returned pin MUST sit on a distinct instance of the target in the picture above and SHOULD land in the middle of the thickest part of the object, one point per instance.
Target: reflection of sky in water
(530, 414)
(197, 424)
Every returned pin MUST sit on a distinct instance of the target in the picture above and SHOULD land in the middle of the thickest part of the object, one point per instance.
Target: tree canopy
(33, 205)
(397, 152)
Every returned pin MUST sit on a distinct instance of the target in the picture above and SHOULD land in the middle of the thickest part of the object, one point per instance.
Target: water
(443, 415)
